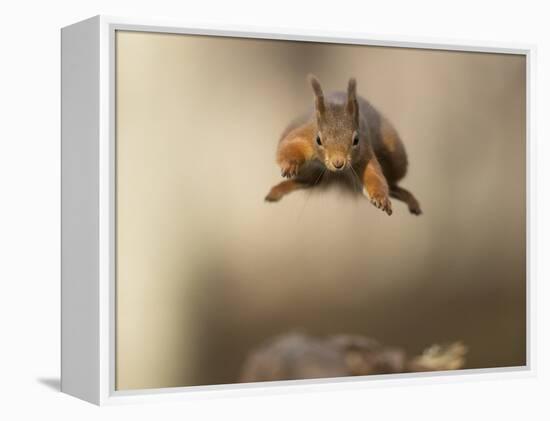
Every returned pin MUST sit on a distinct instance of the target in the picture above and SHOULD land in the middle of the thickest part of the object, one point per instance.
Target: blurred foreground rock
(298, 356)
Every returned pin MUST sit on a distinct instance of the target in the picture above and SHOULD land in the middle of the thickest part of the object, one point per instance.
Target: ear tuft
(352, 88)
(319, 96)
(352, 97)
(315, 84)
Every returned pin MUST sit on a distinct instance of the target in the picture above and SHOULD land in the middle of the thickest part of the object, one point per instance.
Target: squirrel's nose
(338, 163)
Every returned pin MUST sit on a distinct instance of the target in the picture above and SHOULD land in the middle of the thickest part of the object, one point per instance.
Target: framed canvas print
(246, 211)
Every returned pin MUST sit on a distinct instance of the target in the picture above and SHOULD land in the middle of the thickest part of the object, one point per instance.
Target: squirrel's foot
(380, 200)
(406, 196)
(290, 169)
(274, 195)
(415, 209)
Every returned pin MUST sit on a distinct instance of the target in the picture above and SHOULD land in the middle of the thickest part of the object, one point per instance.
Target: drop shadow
(53, 383)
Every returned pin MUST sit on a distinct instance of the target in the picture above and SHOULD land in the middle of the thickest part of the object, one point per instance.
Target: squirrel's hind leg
(283, 188)
(406, 196)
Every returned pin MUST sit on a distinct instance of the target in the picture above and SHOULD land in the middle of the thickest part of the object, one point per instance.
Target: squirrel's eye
(319, 140)
(355, 139)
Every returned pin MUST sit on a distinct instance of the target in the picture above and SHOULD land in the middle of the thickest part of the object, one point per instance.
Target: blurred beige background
(206, 270)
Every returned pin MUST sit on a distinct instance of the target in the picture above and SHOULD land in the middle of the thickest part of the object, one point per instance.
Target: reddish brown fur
(378, 158)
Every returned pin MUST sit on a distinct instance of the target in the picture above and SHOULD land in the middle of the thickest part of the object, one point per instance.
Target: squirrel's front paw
(290, 169)
(380, 200)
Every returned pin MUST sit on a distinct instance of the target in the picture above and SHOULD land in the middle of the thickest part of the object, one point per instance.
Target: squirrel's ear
(352, 96)
(319, 97)
(352, 88)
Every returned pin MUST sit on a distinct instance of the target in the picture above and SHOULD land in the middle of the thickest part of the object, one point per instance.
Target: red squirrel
(345, 135)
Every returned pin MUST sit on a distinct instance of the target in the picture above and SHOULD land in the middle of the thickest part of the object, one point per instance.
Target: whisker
(350, 179)
(358, 179)
(308, 194)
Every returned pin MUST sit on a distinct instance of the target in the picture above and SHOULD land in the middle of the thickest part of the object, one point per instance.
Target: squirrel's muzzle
(338, 163)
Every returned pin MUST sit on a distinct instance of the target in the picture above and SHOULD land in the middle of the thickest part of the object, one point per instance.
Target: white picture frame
(88, 212)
